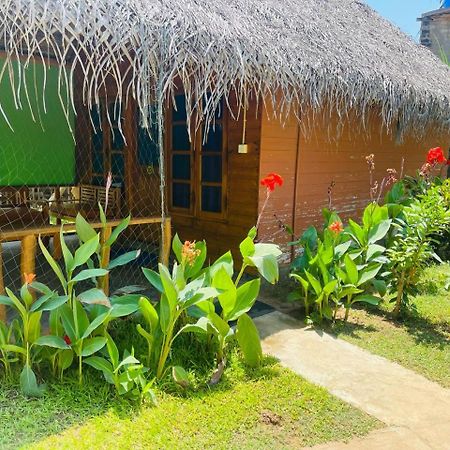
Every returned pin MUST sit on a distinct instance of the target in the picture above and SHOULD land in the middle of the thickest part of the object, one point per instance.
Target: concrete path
(415, 410)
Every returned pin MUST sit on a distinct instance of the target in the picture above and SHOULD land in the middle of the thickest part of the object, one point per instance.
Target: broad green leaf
(28, 383)
(53, 264)
(88, 274)
(245, 298)
(26, 296)
(17, 303)
(124, 259)
(51, 304)
(34, 326)
(94, 297)
(112, 350)
(374, 250)
(145, 334)
(68, 322)
(379, 231)
(93, 345)
(357, 232)
(81, 319)
(180, 376)
(253, 232)
(123, 310)
(267, 267)
(123, 225)
(127, 361)
(165, 314)
(99, 363)
(201, 326)
(369, 274)
(219, 324)
(301, 280)
(168, 285)
(351, 269)
(102, 214)
(154, 279)
(65, 359)
(314, 282)
(52, 341)
(226, 262)
(67, 255)
(85, 251)
(99, 320)
(329, 287)
(223, 282)
(149, 313)
(177, 246)
(366, 298)
(247, 247)
(380, 287)
(341, 249)
(14, 349)
(4, 300)
(84, 231)
(41, 300)
(248, 338)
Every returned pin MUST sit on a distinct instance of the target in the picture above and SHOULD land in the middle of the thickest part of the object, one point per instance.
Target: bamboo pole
(105, 257)
(28, 256)
(166, 241)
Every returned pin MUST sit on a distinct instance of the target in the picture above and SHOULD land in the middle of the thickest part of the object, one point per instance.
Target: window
(196, 168)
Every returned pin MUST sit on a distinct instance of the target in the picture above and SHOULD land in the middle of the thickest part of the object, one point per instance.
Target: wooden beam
(104, 257)
(166, 241)
(28, 256)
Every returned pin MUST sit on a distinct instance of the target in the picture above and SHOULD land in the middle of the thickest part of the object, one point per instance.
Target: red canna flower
(67, 340)
(271, 181)
(436, 156)
(29, 277)
(336, 227)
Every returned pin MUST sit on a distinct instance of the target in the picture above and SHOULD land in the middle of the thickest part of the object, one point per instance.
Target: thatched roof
(312, 52)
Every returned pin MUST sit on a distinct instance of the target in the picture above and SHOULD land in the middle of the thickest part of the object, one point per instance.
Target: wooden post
(166, 242)
(2, 288)
(28, 255)
(105, 256)
(57, 249)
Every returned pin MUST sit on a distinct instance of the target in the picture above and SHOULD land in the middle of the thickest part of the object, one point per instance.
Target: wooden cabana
(190, 104)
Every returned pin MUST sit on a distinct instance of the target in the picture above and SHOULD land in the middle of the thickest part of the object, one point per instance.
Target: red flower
(336, 227)
(67, 340)
(271, 181)
(436, 156)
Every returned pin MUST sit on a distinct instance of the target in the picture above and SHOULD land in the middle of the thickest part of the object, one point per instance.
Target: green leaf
(226, 262)
(99, 363)
(52, 341)
(220, 325)
(201, 326)
(124, 259)
(4, 300)
(379, 232)
(367, 298)
(374, 250)
(351, 269)
(88, 274)
(34, 326)
(65, 359)
(102, 214)
(169, 288)
(94, 297)
(16, 302)
(154, 279)
(67, 255)
(112, 350)
(14, 349)
(369, 274)
(123, 310)
(223, 282)
(341, 249)
(42, 300)
(245, 298)
(248, 338)
(149, 313)
(301, 280)
(165, 314)
(99, 320)
(68, 322)
(123, 225)
(247, 247)
(127, 361)
(267, 267)
(314, 282)
(81, 319)
(85, 251)
(52, 304)
(177, 246)
(93, 345)
(357, 232)
(84, 231)
(380, 287)
(28, 383)
(329, 287)
(53, 264)
(180, 376)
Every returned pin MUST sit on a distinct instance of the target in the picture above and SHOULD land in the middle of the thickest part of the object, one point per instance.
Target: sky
(404, 13)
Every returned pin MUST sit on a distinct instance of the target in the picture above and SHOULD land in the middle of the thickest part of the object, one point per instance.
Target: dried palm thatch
(298, 54)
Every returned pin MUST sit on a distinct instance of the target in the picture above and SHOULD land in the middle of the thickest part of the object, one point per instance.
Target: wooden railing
(28, 237)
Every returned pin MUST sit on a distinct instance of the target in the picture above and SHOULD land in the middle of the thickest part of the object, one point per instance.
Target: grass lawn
(420, 340)
(267, 408)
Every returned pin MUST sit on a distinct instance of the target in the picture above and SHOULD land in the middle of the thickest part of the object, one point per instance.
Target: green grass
(268, 408)
(420, 340)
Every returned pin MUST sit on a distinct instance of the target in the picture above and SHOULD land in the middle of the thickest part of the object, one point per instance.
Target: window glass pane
(117, 164)
(181, 167)
(98, 181)
(180, 138)
(118, 142)
(181, 195)
(212, 199)
(97, 161)
(212, 168)
(179, 113)
(214, 140)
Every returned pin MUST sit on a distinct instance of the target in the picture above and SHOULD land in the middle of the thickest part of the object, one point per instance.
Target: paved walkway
(415, 410)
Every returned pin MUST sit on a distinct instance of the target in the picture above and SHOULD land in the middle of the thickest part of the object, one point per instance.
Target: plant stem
(80, 369)
(238, 279)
